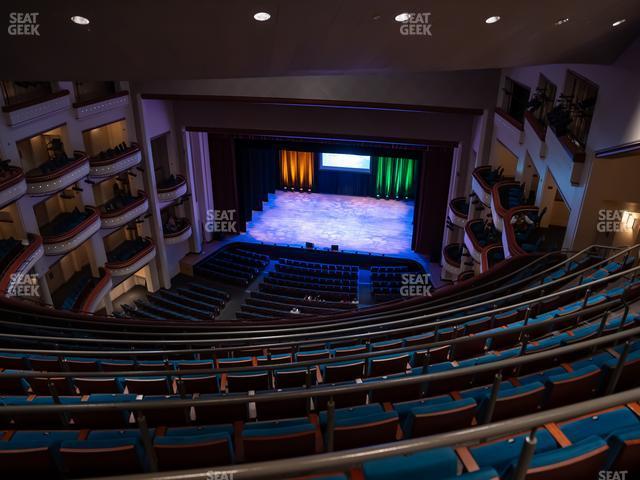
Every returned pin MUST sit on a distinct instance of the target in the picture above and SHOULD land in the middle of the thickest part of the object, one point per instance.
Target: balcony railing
(452, 261)
(181, 233)
(130, 256)
(118, 217)
(92, 106)
(108, 167)
(490, 257)
(477, 239)
(499, 204)
(458, 211)
(51, 177)
(90, 298)
(12, 185)
(32, 109)
(511, 243)
(64, 242)
(173, 189)
(21, 264)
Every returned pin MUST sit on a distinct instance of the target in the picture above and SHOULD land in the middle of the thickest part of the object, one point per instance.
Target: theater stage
(365, 224)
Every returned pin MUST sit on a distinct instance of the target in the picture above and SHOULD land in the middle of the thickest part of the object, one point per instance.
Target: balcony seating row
(234, 266)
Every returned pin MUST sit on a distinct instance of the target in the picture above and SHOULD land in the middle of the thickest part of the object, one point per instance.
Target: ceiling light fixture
(262, 16)
(493, 19)
(561, 21)
(618, 22)
(403, 17)
(80, 20)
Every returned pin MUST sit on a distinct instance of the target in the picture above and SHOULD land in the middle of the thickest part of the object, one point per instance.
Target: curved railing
(128, 212)
(179, 235)
(140, 254)
(34, 177)
(394, 318)
(69, 234)
(458, 211)
(16, 175)
(173, 191)
(509, 241)
(488, 257)
(22, 263)
(108, 167)
(430, 322)
(93, 296)
(498, 209)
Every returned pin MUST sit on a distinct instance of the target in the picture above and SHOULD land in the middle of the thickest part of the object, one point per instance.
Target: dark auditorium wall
(434, 174)
(256, 177)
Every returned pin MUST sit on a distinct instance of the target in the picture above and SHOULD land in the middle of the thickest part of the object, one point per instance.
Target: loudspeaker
(308, 245)
(335, 248)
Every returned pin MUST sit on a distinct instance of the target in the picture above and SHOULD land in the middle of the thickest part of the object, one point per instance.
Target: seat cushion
(441, 461)
(601, 425)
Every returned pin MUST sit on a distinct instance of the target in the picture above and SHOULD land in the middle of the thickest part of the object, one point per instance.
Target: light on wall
(561, 21)
(262, 16)
(618, 22)
(80, 20)
(403, 17)
(492, 19)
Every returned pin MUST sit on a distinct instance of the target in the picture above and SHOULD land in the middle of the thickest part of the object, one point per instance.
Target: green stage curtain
(394, 177)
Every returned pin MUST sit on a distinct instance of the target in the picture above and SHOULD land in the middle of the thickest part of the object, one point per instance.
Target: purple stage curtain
(223, 176)
(434, 176)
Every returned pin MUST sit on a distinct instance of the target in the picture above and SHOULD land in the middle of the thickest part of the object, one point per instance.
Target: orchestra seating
(472, 354)
(235, 266)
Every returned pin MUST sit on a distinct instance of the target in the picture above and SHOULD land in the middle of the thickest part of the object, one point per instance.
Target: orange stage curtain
(296, 169)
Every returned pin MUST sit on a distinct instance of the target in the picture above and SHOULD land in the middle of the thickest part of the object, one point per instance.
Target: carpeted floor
(354, 223)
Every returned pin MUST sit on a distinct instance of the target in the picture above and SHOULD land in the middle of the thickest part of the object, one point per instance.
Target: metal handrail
(399, 311)
(342, 460)
(327, 391)
(465, 318)
(287, 366)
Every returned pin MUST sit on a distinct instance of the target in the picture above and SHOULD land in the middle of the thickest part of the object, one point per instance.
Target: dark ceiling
(157, 39)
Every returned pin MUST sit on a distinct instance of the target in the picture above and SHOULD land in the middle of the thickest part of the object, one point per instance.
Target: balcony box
(458, 211)
(31, 110)
(103, 168)
(130, 256)
(452, 261)
(50, 178)
(534, 135)
(117, 218)
(509, 131)
(474, 239)
(22, 263)
(510, 244)
(12, 185)
(69, 230)
(491, 257)
(480, 185)
(182, 233)
(98, 105)
(498, 206)
(170, 191)
(90, 299)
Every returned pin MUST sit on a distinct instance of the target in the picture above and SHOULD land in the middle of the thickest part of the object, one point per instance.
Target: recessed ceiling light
(403, 17)
(561, 21)
(262, 16)
(80, 20)
(618, 22)
(493, 19)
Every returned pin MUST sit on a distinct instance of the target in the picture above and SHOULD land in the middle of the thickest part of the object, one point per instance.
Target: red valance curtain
(296, 169)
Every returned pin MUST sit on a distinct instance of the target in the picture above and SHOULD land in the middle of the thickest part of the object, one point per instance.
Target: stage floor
(354, 223)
